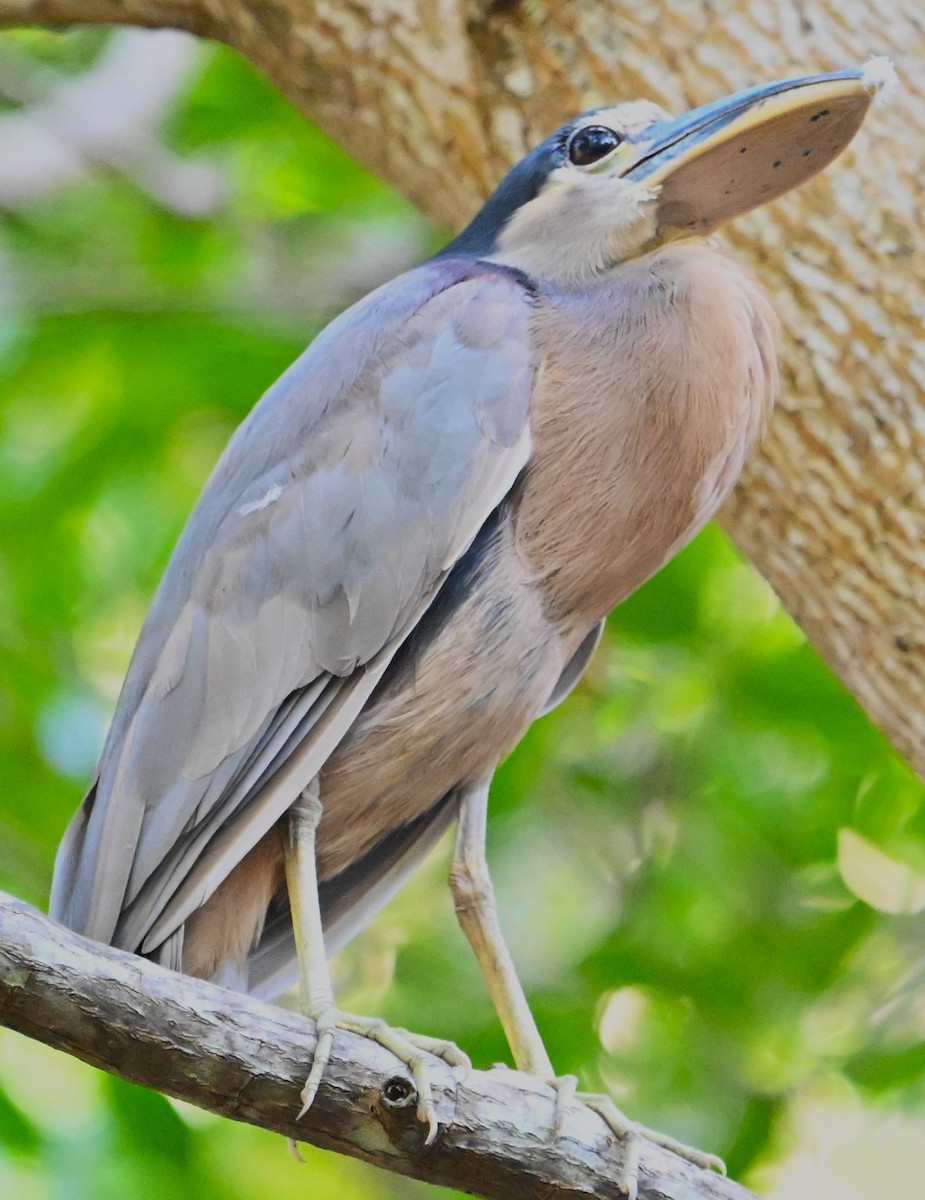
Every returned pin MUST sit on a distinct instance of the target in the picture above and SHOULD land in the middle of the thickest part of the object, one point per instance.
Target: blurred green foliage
(709, 863)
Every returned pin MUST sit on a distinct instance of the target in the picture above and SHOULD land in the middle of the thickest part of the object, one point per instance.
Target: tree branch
(246, 1060)
(195, 16)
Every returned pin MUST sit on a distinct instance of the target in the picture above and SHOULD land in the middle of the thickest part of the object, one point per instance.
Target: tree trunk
(441, 96)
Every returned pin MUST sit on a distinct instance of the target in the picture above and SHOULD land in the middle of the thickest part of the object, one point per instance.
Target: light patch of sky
(847, 1150)
(70, 730)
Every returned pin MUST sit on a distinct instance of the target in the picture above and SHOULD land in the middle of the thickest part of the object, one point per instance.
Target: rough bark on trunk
(440, 96)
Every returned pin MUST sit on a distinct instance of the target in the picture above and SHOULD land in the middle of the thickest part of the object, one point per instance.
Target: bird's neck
(651, 392)
(572, 238)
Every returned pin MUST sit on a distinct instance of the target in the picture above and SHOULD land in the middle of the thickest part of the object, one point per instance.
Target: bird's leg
(477, 912)
(315, 976)
(474, 899)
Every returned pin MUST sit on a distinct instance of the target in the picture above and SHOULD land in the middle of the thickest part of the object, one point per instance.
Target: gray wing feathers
(326, 529)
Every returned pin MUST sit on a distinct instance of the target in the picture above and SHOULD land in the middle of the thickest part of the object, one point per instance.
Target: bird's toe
(630, 1133)
(414, 1050)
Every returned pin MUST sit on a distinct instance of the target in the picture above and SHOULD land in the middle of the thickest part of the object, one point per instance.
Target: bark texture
(441, 96)
(248, 1061)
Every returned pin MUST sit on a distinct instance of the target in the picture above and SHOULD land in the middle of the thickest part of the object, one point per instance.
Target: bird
(406, 553)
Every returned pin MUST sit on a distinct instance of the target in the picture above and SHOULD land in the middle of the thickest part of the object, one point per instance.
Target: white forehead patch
(631, 118)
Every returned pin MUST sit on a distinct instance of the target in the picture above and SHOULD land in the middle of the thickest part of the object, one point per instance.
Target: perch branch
(247, 1060)
(195, 16)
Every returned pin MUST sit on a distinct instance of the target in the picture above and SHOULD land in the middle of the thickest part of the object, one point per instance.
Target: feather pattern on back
(325, 531)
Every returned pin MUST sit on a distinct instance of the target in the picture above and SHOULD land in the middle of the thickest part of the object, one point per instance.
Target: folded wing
(328, 526)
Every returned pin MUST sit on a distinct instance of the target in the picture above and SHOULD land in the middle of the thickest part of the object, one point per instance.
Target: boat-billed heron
(405, 555)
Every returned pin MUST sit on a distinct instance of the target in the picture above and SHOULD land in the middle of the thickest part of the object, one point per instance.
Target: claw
(631, 1134)
(566, 1089)
(412, 1049)
(629, 1173)
(433, 1125)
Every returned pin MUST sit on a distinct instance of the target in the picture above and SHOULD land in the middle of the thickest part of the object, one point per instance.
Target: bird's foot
(629, 1132)
(412, 1049)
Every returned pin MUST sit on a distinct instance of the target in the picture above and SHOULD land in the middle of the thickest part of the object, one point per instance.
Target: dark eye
(591, 143)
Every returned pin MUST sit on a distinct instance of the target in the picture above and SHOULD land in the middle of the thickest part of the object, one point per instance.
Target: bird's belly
(458, 698)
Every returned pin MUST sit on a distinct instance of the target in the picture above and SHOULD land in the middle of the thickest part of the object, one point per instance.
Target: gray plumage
(327, 527)
(407, 550)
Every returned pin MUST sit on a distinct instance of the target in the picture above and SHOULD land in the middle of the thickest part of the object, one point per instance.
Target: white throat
(574, 232)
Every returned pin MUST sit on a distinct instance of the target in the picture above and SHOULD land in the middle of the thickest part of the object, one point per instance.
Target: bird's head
(616, 182)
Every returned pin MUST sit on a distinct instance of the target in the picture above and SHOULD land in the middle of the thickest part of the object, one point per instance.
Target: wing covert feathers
(325, 531)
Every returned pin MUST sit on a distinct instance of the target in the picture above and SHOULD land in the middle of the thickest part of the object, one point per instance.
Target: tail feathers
(61, 906)
(348, 902)
(170, 952)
